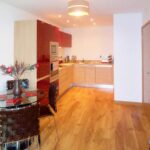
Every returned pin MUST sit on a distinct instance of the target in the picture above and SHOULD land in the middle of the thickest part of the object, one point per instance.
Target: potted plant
(16, 71)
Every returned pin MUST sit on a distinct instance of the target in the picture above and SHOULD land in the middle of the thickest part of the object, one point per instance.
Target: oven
(54, 62)
(53, 51)
(54, 74)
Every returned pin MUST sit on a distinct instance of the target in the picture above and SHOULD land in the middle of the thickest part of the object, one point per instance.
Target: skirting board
(108, 86)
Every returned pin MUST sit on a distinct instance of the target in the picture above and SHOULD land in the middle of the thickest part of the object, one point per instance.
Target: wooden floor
(88, 119)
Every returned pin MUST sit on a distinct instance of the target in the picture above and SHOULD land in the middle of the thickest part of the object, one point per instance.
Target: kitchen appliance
(53, 93)
(54, 74)
(54, 62)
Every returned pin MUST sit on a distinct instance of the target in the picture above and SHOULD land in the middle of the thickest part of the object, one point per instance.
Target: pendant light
(78, 7)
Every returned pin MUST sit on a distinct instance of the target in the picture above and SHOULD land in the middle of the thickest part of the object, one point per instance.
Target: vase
(17, 90)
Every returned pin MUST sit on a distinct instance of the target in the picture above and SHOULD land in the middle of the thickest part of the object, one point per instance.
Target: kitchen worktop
(98, 64)
(95, 64)
(64, 65)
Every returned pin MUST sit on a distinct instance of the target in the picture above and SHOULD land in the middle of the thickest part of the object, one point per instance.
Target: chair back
(20, 123)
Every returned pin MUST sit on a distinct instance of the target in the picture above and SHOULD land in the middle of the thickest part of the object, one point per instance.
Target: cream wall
(90, 43)
(8, 15)
(127, 57)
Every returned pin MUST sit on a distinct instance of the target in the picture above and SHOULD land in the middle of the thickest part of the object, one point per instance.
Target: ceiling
(101, 11)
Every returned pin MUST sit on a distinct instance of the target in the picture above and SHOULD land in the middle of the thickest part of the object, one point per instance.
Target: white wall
(90, 43)
(8, 15)
(127, 57)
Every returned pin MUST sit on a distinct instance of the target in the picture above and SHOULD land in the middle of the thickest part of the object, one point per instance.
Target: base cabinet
(93, 74)
(88, 75)
(79, 74)
(65, 79)
(104, 75)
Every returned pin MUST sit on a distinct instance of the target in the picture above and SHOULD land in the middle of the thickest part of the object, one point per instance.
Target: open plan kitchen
(74, 75)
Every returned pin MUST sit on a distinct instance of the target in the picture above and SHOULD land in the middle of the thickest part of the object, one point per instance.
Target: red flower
(37, 65)
(9, 70)
(17, 70)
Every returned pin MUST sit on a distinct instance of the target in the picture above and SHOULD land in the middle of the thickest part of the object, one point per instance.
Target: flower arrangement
(17, 70)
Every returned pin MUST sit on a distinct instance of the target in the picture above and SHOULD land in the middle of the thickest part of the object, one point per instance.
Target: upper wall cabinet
(32, 40)
(65, 39)
(56, 34)
(32, 45)
(44, 31)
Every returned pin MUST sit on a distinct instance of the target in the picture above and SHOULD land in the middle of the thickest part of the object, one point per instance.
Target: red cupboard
(65, 39)
(32, 39)
(44, 36)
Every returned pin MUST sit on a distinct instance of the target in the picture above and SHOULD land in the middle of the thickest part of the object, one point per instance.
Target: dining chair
(19, 127)
(51, 109)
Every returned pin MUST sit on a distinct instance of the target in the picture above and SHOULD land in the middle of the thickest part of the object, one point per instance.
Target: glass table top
(8, 100)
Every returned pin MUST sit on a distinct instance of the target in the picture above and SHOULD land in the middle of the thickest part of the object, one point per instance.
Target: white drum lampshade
(78, 7)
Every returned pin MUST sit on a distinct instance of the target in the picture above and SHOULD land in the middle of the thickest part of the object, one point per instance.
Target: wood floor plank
(89, 119)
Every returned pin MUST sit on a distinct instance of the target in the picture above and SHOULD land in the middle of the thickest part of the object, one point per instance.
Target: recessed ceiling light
(59, 16)
(68, 21)
(91, 19)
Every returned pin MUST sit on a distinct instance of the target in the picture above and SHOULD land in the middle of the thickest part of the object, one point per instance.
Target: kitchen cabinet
(32, 45)
(56, 37)
(25, 47)
(44, 31)
(65, 39)
(65, 78)
(89, 75)
(93, 74)
(104, 75)
(32, 39)
(84, 75)
(79, 74)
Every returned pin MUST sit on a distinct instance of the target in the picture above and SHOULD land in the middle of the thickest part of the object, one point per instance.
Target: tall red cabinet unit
(44, 35)
(32, 42)
(32, 45)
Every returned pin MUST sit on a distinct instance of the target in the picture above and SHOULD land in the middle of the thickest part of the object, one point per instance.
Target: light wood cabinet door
(25, 47)
(65, 79)
(90, 75)
(79, 74)
(104, 75)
